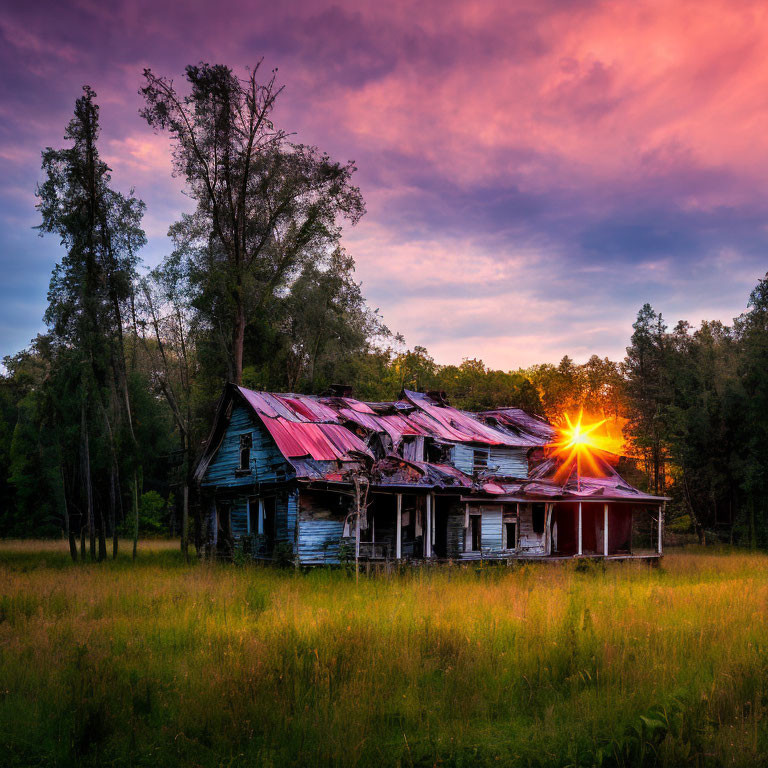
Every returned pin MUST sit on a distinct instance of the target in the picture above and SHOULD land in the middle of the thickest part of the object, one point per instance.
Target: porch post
(605, 530)
(661, 524)
(248, 516)
(399, 526)
(427, 534)
(580, 548)
(357, 536)
(434, 523)
(261, 516)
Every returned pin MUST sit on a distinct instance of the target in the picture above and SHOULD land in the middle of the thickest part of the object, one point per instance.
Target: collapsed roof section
(529, 431)
(542, 485)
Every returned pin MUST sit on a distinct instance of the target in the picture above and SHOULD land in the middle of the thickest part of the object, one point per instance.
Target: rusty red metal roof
(303, 426)
(311, 432)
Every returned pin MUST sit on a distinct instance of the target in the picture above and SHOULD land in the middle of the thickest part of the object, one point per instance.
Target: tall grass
(163, 663)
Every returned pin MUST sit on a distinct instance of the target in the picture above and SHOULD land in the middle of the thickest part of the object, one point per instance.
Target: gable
(267, 463)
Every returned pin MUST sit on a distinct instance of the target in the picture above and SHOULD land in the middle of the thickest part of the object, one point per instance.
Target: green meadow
(160, 663)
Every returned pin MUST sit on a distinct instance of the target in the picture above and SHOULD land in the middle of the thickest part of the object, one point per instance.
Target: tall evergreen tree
(101, 231)
(648, 392)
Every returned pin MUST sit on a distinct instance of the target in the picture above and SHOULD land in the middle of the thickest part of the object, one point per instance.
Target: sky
(534, 172)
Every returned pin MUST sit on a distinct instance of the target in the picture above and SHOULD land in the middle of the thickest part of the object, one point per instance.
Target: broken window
(475, 533)
(509, 530)
(254, 515)
(480, 460)
(538, 515)
(269, 511)
(438, 453)
(246, 441)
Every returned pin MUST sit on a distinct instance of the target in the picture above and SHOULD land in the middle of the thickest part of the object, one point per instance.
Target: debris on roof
(326, 438)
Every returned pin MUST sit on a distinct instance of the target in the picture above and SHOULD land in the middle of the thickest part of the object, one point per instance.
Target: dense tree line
(103, 415)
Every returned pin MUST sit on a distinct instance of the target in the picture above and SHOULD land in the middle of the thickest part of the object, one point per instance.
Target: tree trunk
(102, 536)
(82, 539)
(238, 340)
(113, 512)
(70, 534)
(185, 522)
(88, 486)
(135, 504)
(697, 526)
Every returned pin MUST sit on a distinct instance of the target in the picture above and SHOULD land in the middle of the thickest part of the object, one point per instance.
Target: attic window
(480, 460)
(246, 442)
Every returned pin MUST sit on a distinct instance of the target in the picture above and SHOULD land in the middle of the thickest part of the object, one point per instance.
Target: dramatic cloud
(534, 171)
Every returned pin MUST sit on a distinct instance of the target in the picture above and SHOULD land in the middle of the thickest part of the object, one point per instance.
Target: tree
(265, 205)
(475, 387)
(752, 331)
(169, 344)
(326, 321)
(101, 231)
(648, 392)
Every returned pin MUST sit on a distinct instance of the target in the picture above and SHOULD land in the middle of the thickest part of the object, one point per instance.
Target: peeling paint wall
(267, 463)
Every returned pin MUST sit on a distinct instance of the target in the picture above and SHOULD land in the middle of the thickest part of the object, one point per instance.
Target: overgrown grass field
(162, 663)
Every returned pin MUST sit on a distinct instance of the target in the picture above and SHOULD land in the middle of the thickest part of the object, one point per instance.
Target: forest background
(103, 415)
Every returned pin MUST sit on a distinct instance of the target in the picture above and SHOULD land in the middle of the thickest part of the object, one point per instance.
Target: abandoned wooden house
(324, 479)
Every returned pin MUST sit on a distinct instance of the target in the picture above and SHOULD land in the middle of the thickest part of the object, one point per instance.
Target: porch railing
(373, 551)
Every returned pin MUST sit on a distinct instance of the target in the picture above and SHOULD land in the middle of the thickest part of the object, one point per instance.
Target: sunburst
(577, 444)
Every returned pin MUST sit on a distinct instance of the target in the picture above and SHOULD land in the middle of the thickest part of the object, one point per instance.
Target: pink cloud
(534, 171)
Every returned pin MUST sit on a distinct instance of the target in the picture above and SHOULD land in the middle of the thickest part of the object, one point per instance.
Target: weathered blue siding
(319, 541)
(509, 462)
(286, 518)
(267, 463)
(491, 529)
(463, 458)
(239, 517)
(455, 532)
(320, 527)
(490, 532)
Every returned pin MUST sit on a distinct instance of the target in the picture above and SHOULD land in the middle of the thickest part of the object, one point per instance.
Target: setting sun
(577, 443)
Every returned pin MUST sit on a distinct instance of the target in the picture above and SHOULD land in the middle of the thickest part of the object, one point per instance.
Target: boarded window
(246, 441)
(538, 515)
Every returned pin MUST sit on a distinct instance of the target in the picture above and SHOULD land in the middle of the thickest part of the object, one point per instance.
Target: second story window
(246, 441)
(480, 460)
